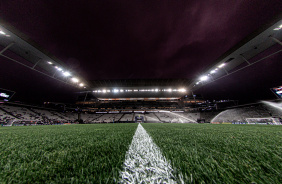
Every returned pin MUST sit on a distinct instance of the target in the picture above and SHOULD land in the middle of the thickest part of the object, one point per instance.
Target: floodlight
(49, 62)
(75, 80)
(278, 28)
(204, 78)
(156, 90)
(104, 91)
(169, 90)
(135, 89)
(197, 83)
(67, 74)
(121, 90)
(108, 91)
(182, 90)
(58, 68)
(213, 71)
(2, 32)
(115, 90)
(8, 35)
(81, 84)
(222, 65)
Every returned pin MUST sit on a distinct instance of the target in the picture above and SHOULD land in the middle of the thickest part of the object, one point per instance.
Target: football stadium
(141, 92)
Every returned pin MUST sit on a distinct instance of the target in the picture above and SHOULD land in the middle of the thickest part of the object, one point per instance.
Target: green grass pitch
(203, 153)
(206, 153)
(64, 153)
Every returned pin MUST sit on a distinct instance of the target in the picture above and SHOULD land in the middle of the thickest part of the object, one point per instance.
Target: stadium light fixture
(58, 68)
(204, 78)
(222, 65)
(121, 90)
(169, 90)
(115, 90)
(75, 80)
(213, 71)
(67, 74)
(81, 84)
(182, 90)
(278, 28)
(49, 62)
(108, 91)
(156, 90)
(2, 32)
(104, 91)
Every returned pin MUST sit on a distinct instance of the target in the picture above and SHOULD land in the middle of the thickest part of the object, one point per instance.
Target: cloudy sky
(140, 39)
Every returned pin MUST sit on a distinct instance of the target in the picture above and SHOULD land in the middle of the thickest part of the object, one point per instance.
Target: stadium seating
(22, 113)
(170, 117)
(49, 115)
(127, 117)
(151, 117)
(88, 118)
(107, 118)
(6, 118)
(241, 114)
(10, 114)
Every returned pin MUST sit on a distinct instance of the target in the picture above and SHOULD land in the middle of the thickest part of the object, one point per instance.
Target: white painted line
(144, 162)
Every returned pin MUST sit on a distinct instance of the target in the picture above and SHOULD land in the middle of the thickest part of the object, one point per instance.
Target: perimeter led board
(6, 95)
(277, 91)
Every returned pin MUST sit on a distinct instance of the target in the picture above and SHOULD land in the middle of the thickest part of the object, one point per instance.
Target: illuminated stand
(264, 121)
(139, 119)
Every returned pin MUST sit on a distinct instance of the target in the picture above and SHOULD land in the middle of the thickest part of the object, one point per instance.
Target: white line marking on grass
(144, 162)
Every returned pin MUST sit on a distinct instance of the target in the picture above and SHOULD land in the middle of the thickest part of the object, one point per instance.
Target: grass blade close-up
(64, 154)
(205, 153)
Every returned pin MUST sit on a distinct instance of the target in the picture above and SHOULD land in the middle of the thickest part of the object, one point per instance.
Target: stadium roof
(237, 58)
(243, 54)
(18, 48)
(149, 41)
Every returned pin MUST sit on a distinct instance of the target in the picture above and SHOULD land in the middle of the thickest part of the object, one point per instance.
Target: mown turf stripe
(144, 162)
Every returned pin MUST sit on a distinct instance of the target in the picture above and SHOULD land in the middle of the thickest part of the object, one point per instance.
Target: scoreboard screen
(6, 95)
(277, 91)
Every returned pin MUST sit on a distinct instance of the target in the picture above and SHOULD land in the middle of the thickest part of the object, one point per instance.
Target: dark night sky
(140, 39)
